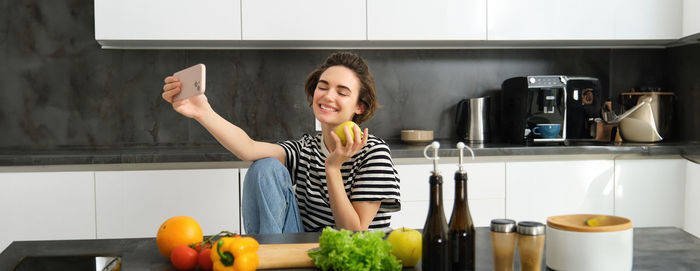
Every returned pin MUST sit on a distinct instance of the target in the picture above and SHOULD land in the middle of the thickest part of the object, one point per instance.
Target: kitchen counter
(216, 153)
(654, 249)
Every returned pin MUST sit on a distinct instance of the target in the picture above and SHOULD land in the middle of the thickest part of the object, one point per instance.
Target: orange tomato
(178, 230)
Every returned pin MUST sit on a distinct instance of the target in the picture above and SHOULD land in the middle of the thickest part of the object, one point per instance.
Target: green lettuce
(343, 250)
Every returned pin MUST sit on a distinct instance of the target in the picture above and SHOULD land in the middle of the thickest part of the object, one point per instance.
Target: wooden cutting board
(285, 255)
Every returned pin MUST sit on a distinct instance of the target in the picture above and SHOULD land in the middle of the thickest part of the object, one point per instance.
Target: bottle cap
(530, 228)
(502, 225)
(435, 145)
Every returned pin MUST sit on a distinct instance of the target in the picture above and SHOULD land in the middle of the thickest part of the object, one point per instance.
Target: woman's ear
(360, 108)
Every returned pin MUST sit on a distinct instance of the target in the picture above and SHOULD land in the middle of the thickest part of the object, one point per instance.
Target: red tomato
(205, 259)
(184, 257)
(199, 247)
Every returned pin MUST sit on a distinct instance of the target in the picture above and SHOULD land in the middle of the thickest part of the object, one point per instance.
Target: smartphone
(193, 81)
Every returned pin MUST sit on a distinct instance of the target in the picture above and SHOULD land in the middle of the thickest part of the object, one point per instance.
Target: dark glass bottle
(461, 231)
(435, 238)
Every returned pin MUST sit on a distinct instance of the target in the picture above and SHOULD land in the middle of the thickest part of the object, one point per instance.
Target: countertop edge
(215, 156)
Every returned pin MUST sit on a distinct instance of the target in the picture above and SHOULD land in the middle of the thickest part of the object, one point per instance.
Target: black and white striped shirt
(368, 176)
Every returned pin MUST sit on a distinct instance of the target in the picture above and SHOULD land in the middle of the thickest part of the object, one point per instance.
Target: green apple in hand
(406, 245)
(341, 134)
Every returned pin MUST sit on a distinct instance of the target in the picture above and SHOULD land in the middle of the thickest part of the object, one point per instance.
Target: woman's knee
(264, 171)
(265, 164)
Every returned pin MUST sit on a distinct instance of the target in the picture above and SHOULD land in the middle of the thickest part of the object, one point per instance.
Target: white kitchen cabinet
(485, 188)
(414, 213)
(426, 20)
(136, 203)
(167, 20)
(304, 20)
(692, 198)
(584, 20)
(650, 192)
(46, 206)
(241, 175)
(647, 19)
(320, 23)
(537, 190)
(550, 20)
(691, 17)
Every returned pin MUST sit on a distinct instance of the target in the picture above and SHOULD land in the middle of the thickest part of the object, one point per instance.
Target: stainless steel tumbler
(478, 117)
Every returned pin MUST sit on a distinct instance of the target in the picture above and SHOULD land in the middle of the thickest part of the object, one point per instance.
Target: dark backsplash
(684, 80)
(60, 89)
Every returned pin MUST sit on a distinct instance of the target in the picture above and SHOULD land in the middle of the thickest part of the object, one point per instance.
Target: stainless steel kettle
(472, 120)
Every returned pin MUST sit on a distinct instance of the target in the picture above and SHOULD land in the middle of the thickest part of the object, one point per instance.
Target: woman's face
(336, 95)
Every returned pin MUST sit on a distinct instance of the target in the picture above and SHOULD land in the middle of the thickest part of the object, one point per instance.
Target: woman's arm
(348, 215)
(355, 216)
(237, 141)
(230, 136)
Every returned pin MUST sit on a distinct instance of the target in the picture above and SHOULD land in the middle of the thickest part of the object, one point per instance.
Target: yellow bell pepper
(235, 254)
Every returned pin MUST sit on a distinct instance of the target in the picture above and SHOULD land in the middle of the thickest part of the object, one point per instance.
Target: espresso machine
(583, 106)
(563, 107)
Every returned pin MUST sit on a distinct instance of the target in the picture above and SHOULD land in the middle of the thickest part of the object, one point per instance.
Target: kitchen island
(654, 249)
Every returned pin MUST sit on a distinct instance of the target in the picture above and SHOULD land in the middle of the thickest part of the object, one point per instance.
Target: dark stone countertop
(654, 249)
(72, 155)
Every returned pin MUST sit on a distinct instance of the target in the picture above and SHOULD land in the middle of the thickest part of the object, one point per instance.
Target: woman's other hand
(193, 107)
(341, 153)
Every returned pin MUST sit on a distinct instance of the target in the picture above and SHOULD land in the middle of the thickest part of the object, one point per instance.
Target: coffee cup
(547, 130)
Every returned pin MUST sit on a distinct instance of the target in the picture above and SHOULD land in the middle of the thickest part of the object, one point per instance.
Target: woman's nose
(331, 94)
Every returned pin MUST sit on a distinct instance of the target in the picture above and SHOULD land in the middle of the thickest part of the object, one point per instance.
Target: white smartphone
(193, 81)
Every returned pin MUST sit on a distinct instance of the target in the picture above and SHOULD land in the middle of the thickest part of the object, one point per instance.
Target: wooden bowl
(416, 136)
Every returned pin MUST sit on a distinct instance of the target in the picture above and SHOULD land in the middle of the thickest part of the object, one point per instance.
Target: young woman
(316, 181)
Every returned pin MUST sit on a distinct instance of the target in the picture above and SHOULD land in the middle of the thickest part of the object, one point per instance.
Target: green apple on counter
(407, 245)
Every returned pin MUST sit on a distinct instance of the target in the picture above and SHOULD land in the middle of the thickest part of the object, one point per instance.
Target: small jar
(530, 245)
(503, 237)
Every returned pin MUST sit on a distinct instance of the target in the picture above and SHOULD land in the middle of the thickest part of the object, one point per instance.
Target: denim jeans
(268, 201)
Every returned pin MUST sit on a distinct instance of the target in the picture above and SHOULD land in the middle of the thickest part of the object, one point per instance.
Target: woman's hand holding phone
(192, 107)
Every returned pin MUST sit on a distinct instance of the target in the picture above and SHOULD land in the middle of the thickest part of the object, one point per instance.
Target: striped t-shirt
(368, 176)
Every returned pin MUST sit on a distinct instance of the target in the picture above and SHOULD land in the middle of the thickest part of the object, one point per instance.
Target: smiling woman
(318, 180)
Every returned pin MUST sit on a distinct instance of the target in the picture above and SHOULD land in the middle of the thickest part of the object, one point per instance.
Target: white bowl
(576, 246)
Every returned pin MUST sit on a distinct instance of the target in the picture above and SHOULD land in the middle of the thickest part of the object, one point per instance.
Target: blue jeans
(268, 201)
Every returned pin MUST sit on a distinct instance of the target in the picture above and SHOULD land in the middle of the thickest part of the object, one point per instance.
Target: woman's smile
(328, 108)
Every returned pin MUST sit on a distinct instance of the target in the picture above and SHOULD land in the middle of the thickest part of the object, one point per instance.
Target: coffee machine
(584, 105)
(562, 108)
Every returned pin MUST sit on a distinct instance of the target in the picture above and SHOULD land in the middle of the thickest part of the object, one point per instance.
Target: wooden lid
(601, 223)
(648, 93)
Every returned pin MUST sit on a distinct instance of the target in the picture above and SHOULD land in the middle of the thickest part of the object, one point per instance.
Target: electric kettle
(472, 120)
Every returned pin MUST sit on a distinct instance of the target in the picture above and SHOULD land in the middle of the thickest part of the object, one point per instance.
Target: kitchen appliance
(571, 102)
(69, 262)
(473, 120)
(572, 244)
(652, 119)
(584, 104)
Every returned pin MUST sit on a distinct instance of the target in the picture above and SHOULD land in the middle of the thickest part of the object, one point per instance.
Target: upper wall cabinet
(304, 20)
(391, 23)
(426, 20)
(584, 20)
(549, 20)
(166, 20)
(691, 17)
(648, 19)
